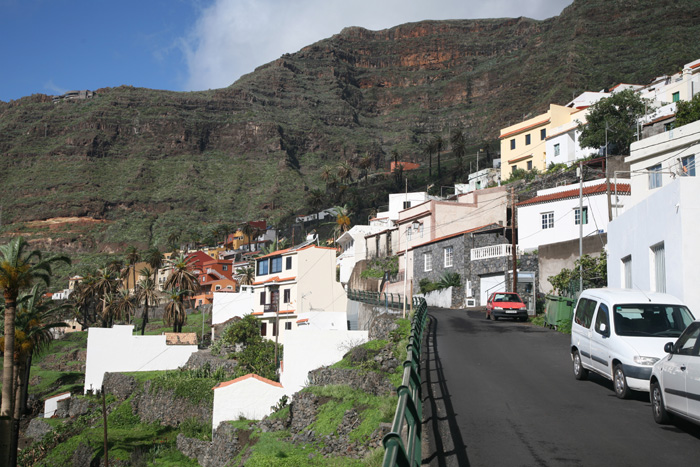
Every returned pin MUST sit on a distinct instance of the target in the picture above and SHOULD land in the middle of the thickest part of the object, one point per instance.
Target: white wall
(249, 396)
(669, 215)
(531, 234)
(396, 201)
(665, 149)
(322, 320)
(51, 404)
(227, 305)
(252, 396)
(118, 350)
(440, 298)
(311, 349)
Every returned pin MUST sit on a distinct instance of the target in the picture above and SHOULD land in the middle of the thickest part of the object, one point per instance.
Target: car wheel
(580, 372)
(620, 382)
(657, 405)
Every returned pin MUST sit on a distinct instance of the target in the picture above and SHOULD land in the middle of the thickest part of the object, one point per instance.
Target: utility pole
(512, 235)
(104, 423)
(405, 258)
(580, 224)
(607, 175)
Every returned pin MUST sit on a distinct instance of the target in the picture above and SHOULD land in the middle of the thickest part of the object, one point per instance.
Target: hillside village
(535, 211)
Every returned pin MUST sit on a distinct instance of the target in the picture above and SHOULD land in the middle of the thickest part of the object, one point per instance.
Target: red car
(506, 305)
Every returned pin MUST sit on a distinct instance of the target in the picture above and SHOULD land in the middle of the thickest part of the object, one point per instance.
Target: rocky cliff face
(133, 165)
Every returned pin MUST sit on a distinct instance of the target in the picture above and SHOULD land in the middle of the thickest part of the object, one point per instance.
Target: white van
(621, 333)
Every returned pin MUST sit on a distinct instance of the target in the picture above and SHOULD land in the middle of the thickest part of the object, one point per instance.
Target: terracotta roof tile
(248, 376)
(529, 127)
(622, 188)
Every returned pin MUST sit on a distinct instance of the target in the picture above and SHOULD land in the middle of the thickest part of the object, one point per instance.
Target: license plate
(511, 311)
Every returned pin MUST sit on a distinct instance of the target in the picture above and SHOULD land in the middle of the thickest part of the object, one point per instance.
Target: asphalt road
(503, 394)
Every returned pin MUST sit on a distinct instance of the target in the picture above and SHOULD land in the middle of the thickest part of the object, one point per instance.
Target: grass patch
(272, 449)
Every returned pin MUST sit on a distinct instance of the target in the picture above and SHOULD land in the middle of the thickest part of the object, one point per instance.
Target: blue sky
(51, 46)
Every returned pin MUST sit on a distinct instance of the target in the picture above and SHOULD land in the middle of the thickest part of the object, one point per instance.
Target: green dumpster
(558, 310)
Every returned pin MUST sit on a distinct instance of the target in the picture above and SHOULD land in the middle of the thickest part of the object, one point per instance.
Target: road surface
(503, 394)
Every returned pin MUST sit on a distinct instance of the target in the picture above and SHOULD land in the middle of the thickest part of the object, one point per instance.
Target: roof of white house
(243, 378)
(622, 189)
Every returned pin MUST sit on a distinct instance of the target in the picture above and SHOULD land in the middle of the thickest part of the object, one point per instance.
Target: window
(448, 254)
(288, 325)
(577, 216)
(406, 204)
(584, 312)
(512, 143)
(543, 134)
(602, 318)
(262, 298)
(289, 262)
(668, 126)
(427, 262)
(654, 176)
(686, 344)
(263, 329)
(557, 150)
(659, 267)
(547, 220)
(204, 278)
(676, 96)
(513, 168)
(529, 165)
(627, 272)
(274, 329)
(225, 267)
(287, 296)
(276, 264)
(688, 166)
(262, 267)
(527, 139)
(408, 232)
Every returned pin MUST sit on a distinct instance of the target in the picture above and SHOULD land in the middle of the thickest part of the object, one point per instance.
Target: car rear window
(507, 297)
(651, 319)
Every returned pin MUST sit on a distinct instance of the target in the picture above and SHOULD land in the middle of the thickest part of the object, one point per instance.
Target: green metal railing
(402, 446)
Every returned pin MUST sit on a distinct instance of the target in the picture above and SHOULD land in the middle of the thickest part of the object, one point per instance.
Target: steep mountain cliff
(134, 165)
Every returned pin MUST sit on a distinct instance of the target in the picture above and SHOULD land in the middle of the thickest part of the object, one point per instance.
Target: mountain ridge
(147, 163)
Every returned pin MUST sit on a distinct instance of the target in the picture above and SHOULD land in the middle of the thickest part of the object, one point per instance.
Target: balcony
(270, 308)
(493, 251)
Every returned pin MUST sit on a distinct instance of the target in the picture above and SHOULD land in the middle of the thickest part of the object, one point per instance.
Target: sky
(53, 46)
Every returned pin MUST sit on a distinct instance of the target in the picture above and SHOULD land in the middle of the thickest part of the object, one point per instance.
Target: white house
(253, 396)
(353, 249)
(400, 201)
(51, 403)
(117, 349)
(653, 245)
(250, 396)
(554, 216)
(657, 160)
(292, 281)
(227, 305)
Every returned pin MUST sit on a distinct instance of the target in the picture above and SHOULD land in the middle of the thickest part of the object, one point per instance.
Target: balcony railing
(270, 308)
(493, 251)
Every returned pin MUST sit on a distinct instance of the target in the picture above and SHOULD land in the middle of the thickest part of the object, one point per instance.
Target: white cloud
(233, 37)
(54, 89)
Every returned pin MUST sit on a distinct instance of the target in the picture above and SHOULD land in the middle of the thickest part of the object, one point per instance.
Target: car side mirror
(668, 348)
(604, 330)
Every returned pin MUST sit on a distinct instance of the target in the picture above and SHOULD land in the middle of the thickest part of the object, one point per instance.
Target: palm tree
(364, 165)
(19, 268)
(122, 306)
(248, 234)
(173, 239)
(246, 275)
(182, 281)
(459, 148)
(154, 258)
(103, 286)
(175, 312)
(148, 295)
(316, 198)
(429, 148)
(33, 324)
(132, 257)
(344, 172)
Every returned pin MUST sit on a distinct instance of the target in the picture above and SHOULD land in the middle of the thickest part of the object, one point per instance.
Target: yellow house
(523, 144)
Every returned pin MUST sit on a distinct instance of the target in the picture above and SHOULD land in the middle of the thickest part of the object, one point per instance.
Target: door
(678, 389)
(600, 339)
(581, 329)
(489, 285)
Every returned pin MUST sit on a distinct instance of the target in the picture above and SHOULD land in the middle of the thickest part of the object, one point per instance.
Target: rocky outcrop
(226, 444)
(202, 358)
(367, 381)
(165, 407)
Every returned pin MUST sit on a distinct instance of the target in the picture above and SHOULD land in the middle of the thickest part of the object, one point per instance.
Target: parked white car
(620, 334)
(675, 379)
